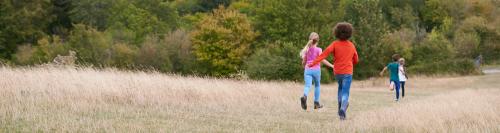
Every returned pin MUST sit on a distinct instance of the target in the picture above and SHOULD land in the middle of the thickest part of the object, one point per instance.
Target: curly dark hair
(343, 31)
(395, 57)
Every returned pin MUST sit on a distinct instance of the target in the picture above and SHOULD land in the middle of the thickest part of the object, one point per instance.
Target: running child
(345, 57)
(394, 77)
(402, 76)
(312, 73)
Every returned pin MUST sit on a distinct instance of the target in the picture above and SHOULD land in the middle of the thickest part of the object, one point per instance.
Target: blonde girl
(313, 73)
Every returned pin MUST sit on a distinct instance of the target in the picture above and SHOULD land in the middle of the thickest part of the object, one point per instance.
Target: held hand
(381, 74)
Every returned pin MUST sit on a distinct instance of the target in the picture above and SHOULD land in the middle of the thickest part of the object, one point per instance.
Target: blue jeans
(402, 88)
(344, 81)
(396, 87)
(309, 76)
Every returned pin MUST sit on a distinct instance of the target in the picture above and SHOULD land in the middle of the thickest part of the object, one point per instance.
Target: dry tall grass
(87, 100)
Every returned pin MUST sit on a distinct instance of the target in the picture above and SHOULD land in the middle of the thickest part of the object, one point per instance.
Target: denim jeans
(309, 77)
(402, 88)
(344, 81)
(396, 88)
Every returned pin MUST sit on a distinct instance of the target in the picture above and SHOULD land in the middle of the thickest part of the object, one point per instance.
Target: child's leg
(391, 85)
(339, 90)
(317, 82)
(403, 89)
(346, 87)
(396, 86)
(307, 82)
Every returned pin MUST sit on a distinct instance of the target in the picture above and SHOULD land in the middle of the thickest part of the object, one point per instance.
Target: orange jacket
(344, 56)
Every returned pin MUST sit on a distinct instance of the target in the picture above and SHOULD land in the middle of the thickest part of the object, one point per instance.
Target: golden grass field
(49, 99)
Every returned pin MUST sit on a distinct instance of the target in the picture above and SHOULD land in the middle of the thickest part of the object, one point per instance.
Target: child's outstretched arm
(383, 70)
(327, 63)
(355, 58)
(322, 56)
(304, 61)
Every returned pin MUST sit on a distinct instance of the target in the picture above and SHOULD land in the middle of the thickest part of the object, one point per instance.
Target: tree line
(257, 38)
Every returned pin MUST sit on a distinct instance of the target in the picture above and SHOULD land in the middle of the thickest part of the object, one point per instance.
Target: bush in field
(24, 55)
(274, 62)
(91, 46)
(448, 66)
(466, 44)
(179, 48)
(223, 40)
(123, 55)
(434, 49)
(48, 48)
(280, 61)
(437, 55)
(399, 42)
(153, 54)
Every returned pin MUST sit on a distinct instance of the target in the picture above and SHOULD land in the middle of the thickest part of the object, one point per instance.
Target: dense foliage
(259, 38)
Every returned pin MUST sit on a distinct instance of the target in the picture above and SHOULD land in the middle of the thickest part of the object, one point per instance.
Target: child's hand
(381, 74)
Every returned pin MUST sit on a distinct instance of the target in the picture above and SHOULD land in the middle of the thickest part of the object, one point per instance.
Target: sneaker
(303, 102)
(317, 105)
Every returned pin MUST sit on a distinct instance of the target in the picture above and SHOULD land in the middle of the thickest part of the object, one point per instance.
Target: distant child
(308, 54)
(345, 57)
(402, 76)
(394, 77)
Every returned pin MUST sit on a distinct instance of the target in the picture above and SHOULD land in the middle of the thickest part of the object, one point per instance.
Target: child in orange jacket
(345, 57)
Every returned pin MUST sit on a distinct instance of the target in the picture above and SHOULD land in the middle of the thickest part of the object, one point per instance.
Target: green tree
(293, 20)
(61, 25)
(223, 39)
(22, 22)
(126, 16)
(92, 12)
(194, 6)
(370, 27)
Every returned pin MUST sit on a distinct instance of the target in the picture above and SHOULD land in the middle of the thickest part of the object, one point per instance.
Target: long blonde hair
(313, 39)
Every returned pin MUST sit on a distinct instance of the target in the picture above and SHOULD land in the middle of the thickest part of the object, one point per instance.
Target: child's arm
(322, 56)
(405, 72)
(382, 72)
(355, 59)
(327, 63)
(304, 61)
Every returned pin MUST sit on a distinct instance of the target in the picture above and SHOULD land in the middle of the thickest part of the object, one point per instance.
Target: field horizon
(66, 99)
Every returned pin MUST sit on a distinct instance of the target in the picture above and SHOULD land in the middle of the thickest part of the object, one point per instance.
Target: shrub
(152, 54)
(450, 66)
(179, 48)
(48, 48)
(223, 40)
(123, 55)
(434, 48)
(24, 54)
(275, 62)
(91, 46)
